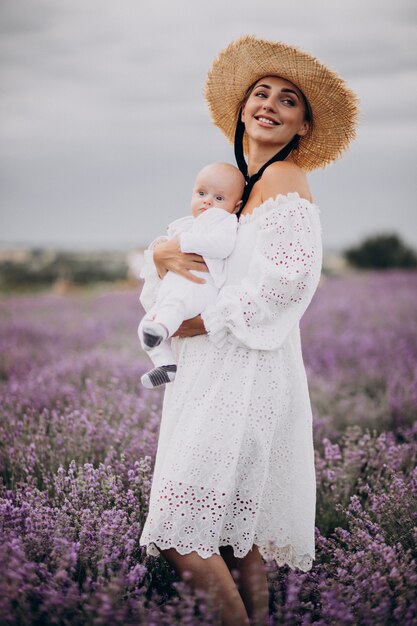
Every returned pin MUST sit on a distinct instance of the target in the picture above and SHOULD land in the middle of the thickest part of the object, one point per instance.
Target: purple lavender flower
(78, 442)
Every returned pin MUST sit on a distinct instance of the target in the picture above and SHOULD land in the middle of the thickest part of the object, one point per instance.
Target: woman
(234, 478)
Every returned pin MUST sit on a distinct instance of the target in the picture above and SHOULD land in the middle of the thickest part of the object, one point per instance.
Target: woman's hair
(308, 114)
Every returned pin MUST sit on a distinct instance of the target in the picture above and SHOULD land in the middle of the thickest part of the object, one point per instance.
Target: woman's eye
(290, 101)
(261, 93)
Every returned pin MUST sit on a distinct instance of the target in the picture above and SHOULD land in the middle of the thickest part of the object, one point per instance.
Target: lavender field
(78, 437)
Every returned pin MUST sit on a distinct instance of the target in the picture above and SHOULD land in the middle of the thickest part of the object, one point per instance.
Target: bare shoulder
(284, 177)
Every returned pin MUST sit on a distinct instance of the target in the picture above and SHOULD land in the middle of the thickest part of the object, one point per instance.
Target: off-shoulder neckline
(273, 202)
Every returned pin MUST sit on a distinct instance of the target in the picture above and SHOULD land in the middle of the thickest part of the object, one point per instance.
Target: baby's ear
(238, 205)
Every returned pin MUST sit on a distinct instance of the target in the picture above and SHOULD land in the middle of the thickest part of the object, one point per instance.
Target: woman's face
(274, 112)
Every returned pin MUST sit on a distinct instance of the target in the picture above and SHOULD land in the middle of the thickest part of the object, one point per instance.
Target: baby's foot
(159, 376)
(153, 334)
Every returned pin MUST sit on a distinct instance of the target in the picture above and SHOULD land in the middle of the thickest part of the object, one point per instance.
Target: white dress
(235, 458)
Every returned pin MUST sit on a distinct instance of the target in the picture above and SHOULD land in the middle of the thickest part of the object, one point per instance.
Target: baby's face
(216, 186)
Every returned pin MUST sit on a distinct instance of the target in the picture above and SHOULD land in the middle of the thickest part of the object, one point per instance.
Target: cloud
(103, 123)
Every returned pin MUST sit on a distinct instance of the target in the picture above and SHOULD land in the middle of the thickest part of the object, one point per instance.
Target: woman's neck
(261, 154)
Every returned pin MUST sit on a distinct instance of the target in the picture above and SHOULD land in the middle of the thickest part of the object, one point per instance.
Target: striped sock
(159, 376)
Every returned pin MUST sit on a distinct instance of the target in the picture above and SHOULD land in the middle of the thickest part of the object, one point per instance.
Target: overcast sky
(103, 125)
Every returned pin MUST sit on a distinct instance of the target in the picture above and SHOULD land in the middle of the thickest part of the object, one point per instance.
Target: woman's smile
(266, 121)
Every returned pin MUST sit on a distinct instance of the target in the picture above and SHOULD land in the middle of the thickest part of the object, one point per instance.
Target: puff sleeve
(284, 272)
(148, 273)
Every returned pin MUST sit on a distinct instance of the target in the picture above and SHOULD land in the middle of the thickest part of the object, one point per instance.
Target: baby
(210, 231)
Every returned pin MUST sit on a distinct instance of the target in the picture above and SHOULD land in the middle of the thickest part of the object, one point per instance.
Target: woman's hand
(167, 256)
(191, 327)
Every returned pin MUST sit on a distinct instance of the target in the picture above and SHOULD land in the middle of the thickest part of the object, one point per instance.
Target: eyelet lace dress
(235, 457)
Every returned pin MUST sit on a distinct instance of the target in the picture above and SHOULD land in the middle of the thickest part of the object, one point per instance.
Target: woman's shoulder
(284, 177)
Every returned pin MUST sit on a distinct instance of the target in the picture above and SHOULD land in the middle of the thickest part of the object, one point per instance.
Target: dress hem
(282, 555)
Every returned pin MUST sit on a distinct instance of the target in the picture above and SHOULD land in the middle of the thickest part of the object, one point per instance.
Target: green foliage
(381, 252)
(42, 268)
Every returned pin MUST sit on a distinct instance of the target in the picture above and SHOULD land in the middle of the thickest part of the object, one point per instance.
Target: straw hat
(335, 107)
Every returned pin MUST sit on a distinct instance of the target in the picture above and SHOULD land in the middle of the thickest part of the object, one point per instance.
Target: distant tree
(41, 269)
(381, 252)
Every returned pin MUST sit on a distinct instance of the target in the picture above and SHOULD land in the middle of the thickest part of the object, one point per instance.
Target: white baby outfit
(211, 234)
(235, 458)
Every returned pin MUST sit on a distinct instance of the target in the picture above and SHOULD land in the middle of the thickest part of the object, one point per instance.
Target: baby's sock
(159, 376)
(153, 334)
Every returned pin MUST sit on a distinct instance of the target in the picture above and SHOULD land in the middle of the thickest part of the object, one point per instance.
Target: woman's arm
(162, 255)
(284, 272)
(167, 256)
(191, 328)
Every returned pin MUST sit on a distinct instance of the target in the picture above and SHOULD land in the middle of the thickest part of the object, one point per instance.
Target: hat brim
(334, 106)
